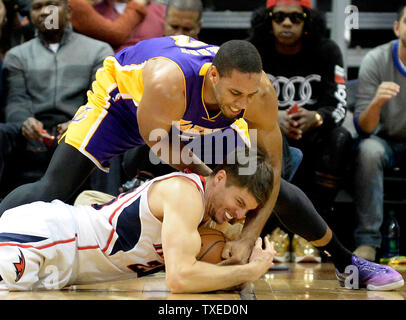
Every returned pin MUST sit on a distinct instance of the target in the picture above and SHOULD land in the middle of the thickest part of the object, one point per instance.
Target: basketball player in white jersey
(53, 245)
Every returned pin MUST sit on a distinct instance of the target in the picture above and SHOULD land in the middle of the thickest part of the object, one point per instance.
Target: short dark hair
(239, 55)
(259, 183)
(186, 5)
(401, 10)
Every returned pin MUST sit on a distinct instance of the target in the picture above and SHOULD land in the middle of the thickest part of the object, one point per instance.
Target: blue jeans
(374, 154)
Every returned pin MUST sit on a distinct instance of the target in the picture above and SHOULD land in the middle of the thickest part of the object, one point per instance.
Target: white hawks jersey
(52, 245)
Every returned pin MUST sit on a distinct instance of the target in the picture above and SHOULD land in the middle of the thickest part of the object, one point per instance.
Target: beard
(223, 109)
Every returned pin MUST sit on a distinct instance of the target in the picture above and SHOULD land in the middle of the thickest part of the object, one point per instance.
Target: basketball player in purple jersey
(149, 87)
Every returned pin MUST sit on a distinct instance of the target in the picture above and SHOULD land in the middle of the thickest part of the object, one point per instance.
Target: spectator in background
(86, 20)
(306, 69)
(46, 79)
(17, 26)
(380, 120)
(183, 17)
(151, 26)
(3, 19)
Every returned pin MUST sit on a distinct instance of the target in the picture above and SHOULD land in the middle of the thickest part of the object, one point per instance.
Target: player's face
(400, 28)
(287, 32)
(178, 22)
(235, 92)
(229, 203)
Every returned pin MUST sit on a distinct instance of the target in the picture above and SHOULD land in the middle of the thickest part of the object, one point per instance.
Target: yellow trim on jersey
(203, 72)
(79, 133)
(204, 69)
(129, 81)
(241, 127)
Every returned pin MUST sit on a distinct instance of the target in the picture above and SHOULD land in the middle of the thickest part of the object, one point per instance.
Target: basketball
(213, 242)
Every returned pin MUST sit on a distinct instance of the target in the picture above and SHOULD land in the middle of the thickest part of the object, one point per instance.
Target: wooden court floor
(302, 281)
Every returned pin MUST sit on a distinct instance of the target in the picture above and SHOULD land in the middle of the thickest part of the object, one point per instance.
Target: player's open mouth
(229, 216)
(235, 110)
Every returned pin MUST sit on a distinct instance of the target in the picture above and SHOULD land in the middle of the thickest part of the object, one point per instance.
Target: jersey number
(185, 41)
(143, 270)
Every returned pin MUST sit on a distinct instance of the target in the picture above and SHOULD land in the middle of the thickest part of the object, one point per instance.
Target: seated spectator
(86, 20)
(3, 13)
(151, 26)
(46, 79)
(183, 17)
(306, 69)
(17, 25)
(380, 121)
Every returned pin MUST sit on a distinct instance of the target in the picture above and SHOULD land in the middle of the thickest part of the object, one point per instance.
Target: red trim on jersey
(197, 185)
(40, 247)
(203, 180)
(137, 191)
(89, 247)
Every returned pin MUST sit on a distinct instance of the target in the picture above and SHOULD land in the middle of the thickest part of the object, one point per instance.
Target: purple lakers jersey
(193, 58)
(109, 120)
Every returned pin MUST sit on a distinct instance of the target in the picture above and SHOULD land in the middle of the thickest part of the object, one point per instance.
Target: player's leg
(331, 161)
(67, 171)
(297, 213)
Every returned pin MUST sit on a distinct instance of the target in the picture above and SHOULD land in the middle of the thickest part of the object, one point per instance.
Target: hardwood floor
(295, 282)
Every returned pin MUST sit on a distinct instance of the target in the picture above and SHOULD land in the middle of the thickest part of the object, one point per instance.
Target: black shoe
(138, 180)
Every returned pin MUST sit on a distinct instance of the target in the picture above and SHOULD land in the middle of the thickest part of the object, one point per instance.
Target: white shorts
(37, 246)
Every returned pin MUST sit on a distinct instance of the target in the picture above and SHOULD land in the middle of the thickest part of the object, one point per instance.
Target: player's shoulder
(179, 185)
(182, 184)
(267, 93)
(264, 107)
(161, 69)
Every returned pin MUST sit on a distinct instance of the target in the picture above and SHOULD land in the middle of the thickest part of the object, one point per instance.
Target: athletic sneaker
(138, 180)
(304, 251)
(373, 276)
(281, 245)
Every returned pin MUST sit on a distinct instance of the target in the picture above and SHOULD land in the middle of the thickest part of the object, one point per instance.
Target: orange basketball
(213, 242)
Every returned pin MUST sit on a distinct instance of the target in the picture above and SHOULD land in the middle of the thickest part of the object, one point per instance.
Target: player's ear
(214, 75)
(220, 176)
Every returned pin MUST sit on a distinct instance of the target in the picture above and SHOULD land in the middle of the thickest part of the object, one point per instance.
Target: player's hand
(236, 252)
(263, 257)
(386, 91)
(32, 129)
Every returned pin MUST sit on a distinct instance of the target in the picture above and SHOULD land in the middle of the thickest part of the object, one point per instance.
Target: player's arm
(181, 244)
(261, 116)
(163, 102)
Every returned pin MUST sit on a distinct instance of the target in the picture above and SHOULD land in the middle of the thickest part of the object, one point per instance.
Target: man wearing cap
(306, 69)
